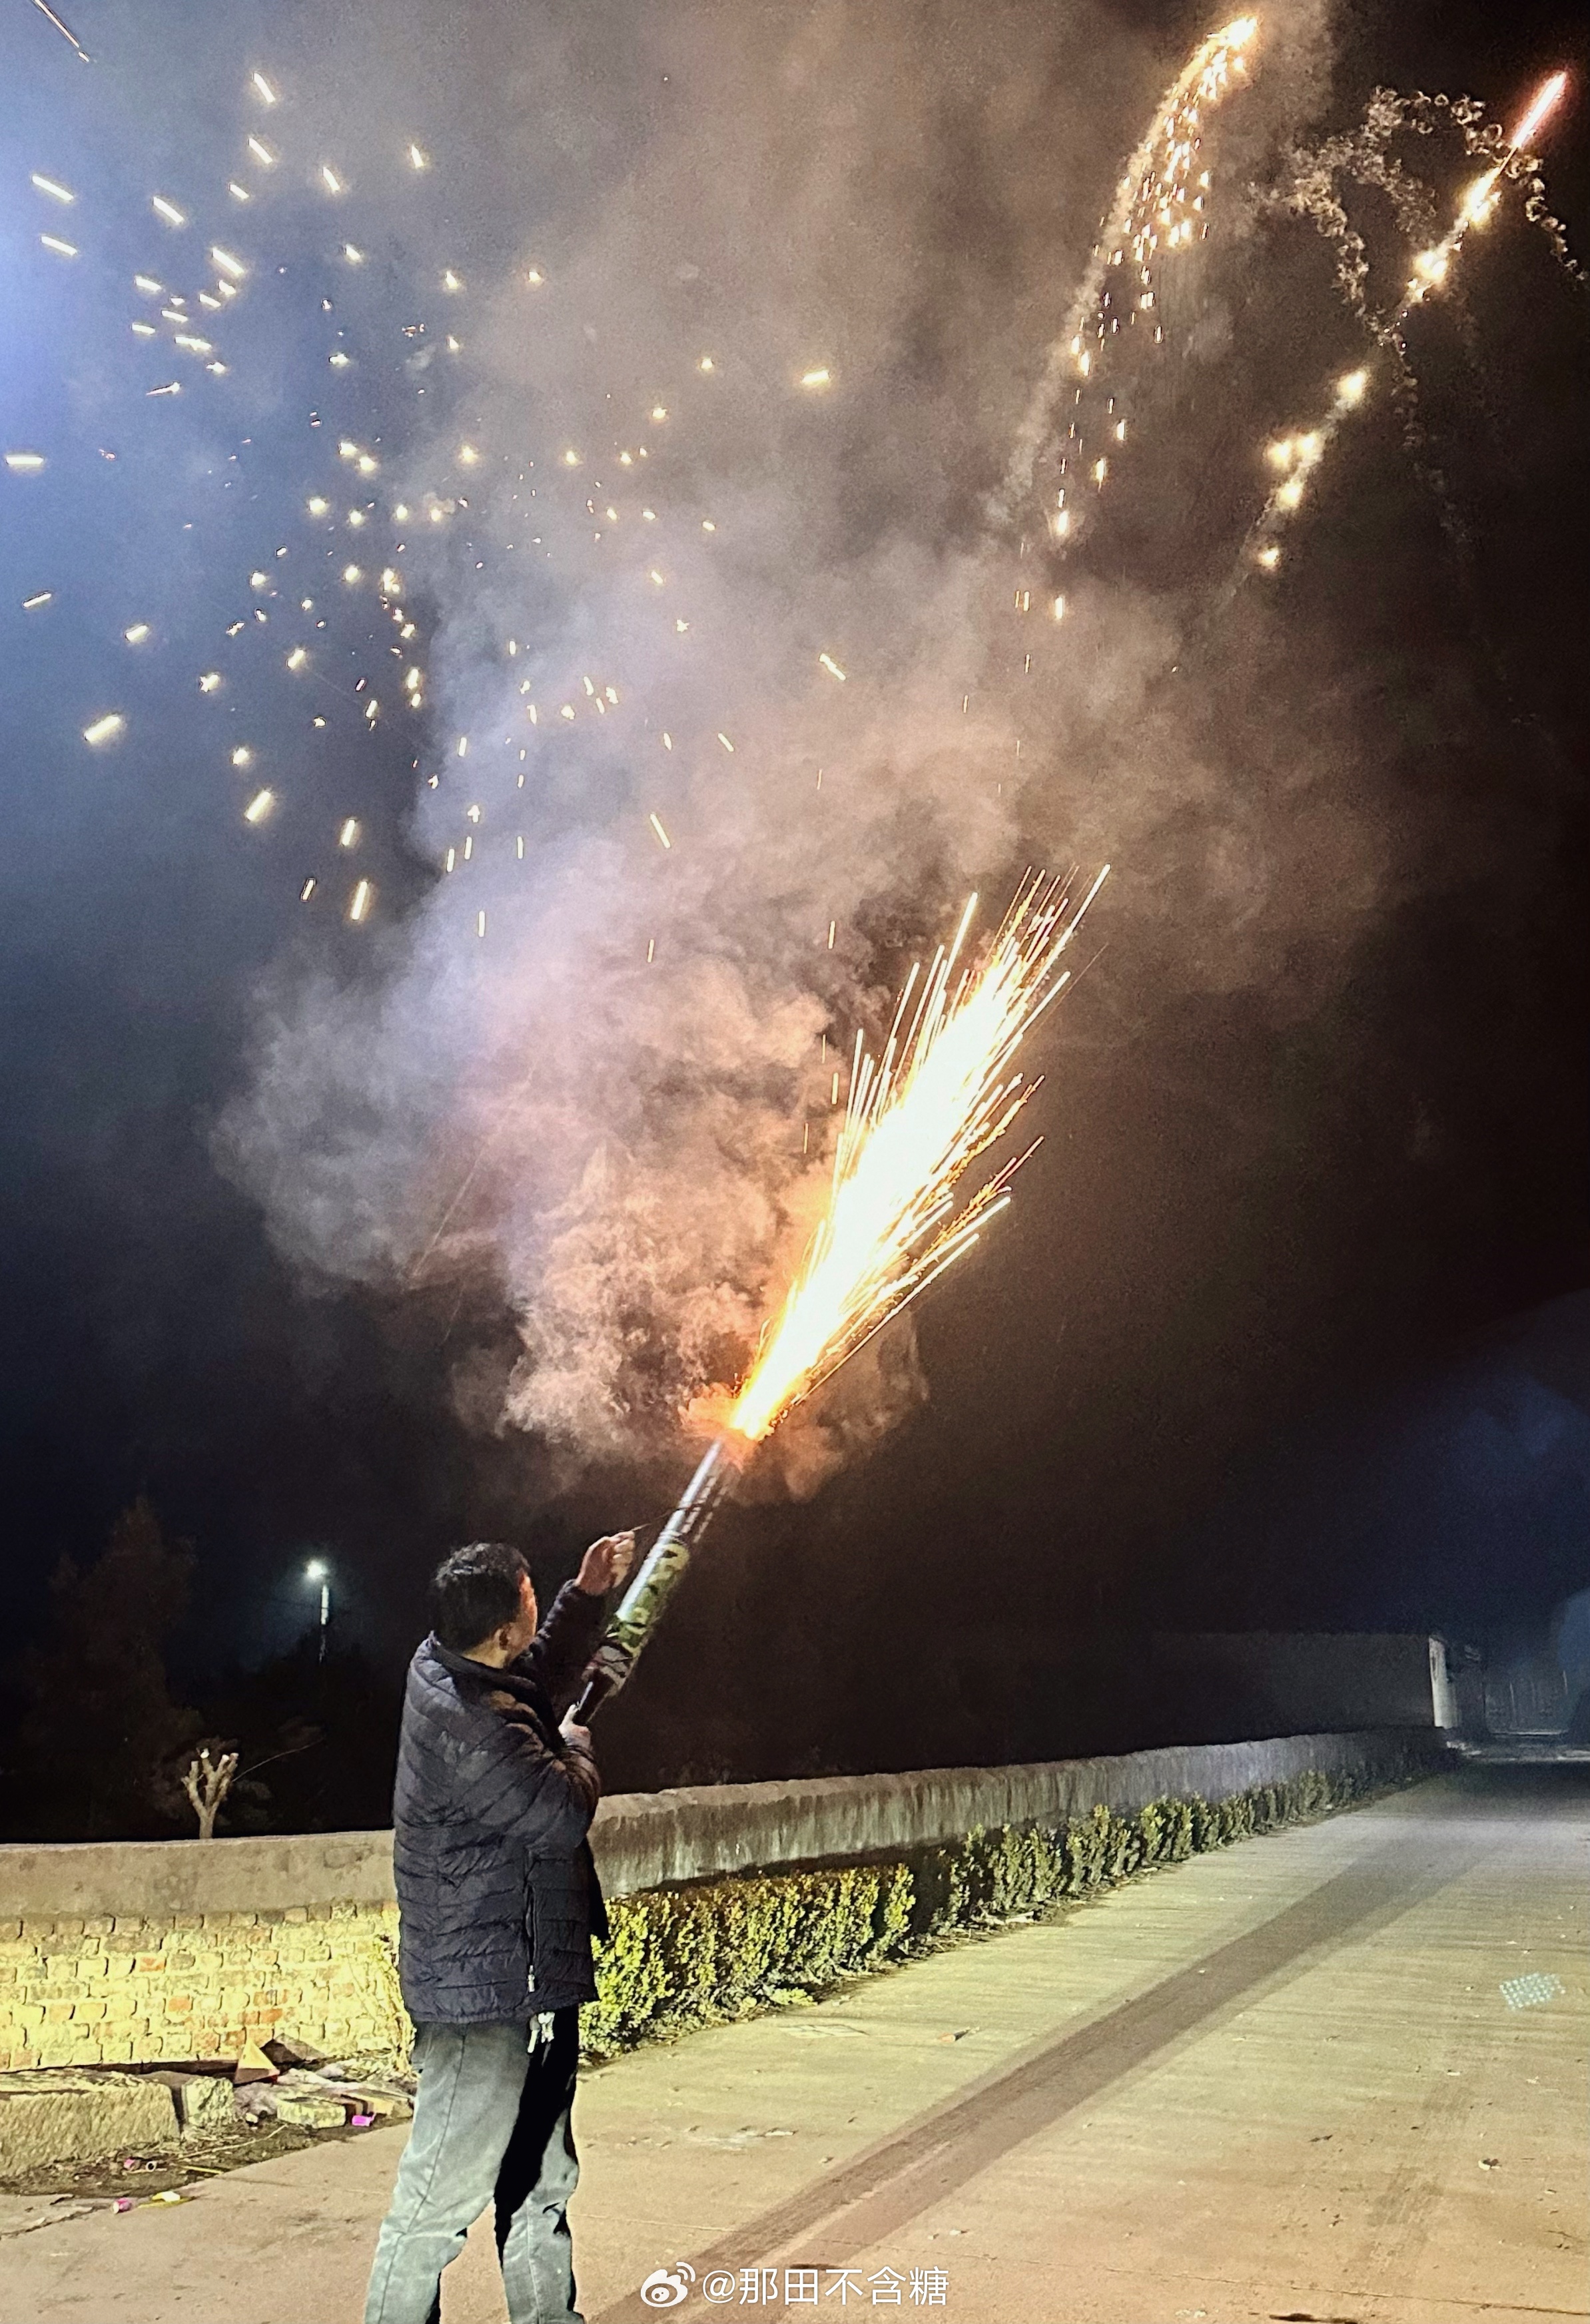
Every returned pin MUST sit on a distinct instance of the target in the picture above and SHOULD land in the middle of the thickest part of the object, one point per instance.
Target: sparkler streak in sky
(919, 1114)
(1157, 203)
(1299, 456)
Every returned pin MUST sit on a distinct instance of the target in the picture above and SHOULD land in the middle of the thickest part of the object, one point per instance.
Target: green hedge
(680, 1957)
(722, 1948)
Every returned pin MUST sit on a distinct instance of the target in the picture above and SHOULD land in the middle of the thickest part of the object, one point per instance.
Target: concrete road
(1334, 2074)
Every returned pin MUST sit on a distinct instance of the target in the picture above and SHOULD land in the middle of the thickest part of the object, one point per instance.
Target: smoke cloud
(591, 1071)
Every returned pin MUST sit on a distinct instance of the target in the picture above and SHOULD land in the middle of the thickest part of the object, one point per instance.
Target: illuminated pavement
(1334, 2074)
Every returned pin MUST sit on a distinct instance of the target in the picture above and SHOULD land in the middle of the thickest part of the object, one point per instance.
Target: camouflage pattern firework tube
(643, 1602)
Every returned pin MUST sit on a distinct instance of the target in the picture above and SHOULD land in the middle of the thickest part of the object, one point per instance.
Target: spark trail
(920, 1113)
(1160, 207)
(937, 1096)
(1300, 455)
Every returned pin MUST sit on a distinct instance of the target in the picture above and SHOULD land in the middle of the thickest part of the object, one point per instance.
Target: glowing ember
(1545, 101)
(918, 1116)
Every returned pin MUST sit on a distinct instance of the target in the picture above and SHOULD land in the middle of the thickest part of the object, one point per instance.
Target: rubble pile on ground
(61, 2117)
(326, 2098)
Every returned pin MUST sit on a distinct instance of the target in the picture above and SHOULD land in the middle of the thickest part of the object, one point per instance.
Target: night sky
(1289, 1323)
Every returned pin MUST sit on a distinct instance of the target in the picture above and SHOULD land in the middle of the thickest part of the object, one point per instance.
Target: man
(498, 1900)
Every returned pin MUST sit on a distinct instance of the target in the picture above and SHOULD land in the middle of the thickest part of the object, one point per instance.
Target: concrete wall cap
(649, 1840)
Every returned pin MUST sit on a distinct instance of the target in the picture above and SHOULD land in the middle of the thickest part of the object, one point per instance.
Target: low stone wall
(652, 1840)
(143, 1952)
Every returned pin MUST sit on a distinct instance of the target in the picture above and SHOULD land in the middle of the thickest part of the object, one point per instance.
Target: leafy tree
(317, 1740)
(98, 1727)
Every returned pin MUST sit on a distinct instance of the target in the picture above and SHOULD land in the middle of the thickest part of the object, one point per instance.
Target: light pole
(317, 1570)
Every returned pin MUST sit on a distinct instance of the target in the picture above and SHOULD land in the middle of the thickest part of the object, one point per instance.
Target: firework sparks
(919, 1114)
(1299, 456)
(1430, 268)
(1160, 208)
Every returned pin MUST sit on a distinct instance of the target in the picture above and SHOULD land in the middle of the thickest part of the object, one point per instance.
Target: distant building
(1526, 1692)
(1571, 1633)
(1026, 1693)
(1300, 1681)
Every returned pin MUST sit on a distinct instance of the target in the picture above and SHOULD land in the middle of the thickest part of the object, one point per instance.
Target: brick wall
(113, 1989)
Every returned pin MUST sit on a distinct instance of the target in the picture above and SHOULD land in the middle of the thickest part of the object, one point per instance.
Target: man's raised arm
(573, 1629)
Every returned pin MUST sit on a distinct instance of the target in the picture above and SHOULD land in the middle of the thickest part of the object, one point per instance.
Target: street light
(317, 1570)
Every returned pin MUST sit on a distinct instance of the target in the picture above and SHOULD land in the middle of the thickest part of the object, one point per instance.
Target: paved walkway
(1297, 2079)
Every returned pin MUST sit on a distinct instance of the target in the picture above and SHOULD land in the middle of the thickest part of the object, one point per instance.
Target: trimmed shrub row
(682, 1957)
(692, 1956)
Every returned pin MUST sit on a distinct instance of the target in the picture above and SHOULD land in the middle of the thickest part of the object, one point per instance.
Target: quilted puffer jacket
(497, 1895)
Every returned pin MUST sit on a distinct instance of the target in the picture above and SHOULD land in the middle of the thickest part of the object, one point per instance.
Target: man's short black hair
(475, 1592)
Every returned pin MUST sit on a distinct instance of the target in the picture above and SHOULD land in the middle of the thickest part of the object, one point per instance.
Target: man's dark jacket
(497, 1894)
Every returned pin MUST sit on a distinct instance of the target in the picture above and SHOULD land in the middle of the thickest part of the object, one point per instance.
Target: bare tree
(207, 1783)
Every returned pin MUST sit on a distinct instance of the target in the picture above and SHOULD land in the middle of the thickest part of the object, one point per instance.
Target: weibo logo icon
(667, 2287)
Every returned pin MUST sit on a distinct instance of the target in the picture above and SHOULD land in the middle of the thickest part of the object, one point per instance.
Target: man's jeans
(492, 2120)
